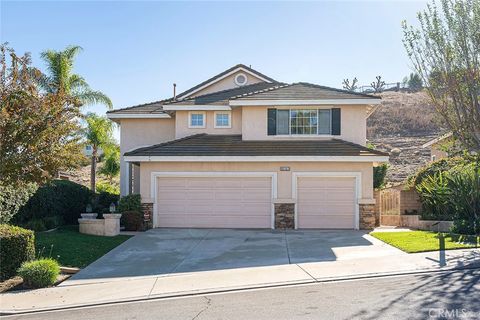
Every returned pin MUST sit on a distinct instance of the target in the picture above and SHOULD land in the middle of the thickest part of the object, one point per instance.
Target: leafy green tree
(445, 51)
(111, 165)
(99, 134)
(38, 130)
(60, 77)
(415, 82)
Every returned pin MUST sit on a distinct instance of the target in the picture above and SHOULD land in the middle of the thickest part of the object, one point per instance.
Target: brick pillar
(284, 215)
(367, 216)
(147, 209)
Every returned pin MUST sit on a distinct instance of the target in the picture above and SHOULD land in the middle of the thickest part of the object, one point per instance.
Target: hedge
(59, 198)
(132, 220)
(17, 246)
(132, 202)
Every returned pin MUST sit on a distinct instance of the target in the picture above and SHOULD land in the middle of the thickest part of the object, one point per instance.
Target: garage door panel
(326, 202)
(209, 202)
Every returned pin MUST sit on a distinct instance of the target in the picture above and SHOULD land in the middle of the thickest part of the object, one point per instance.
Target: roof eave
(140, 158)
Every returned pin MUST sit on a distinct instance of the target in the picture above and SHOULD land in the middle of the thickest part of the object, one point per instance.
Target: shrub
(39, 273)
(132, 220)
(103, 201)
(104, 186)
(435, 195)
(17, 246)
(379, 174)
(12, 198)
(435, 167)
(62, 198)
(132, 202)
(36, 224)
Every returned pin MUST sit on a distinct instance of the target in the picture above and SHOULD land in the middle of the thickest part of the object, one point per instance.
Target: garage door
(326, 202)
(214, 202)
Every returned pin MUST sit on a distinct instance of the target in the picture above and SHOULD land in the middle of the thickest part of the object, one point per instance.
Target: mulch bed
(16, 283)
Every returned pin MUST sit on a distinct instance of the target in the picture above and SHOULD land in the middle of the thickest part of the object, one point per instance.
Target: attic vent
(241, 79)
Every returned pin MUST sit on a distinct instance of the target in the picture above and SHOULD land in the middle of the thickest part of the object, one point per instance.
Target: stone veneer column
(284, 216)
(367, 216)
(147, 209)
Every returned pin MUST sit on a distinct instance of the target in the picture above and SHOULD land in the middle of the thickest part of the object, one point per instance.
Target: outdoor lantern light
(88, 209)
(112, 207)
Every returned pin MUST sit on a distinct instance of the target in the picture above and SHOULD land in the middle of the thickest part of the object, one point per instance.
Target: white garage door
(214, 202)
(326, 202)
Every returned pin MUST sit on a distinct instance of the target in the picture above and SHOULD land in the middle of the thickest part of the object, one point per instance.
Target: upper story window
(303, 121)
(196, 119)
(223, 119)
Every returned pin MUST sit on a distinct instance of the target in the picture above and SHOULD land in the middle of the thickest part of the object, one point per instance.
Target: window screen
(324, 122)
(283, 121)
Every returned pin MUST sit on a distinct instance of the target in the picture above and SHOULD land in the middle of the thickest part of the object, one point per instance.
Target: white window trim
(358, 189)
(313, 135)
(190, 126)
(238, 83)
(155, 175)
(229, 120)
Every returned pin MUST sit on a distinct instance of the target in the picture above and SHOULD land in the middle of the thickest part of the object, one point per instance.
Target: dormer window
(223, 119)
(196, 119)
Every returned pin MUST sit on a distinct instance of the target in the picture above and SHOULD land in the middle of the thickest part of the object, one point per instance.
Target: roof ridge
(223, 91)
(240, 65)
(336, 89)
(279, 85)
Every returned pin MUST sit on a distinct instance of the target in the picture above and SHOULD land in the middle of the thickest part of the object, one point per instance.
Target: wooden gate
(389, 207)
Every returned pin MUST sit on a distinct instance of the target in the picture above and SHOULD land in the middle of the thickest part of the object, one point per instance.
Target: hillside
(404, 121)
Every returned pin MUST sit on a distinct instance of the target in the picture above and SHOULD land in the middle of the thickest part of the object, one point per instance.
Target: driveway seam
(190, 252)
(286, 244)
(153, 287)
(314, 279)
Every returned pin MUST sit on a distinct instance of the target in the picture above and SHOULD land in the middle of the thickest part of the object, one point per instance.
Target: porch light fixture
(112, 207)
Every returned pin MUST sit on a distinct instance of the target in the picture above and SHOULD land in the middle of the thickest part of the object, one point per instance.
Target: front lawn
(73, 249)
(421, 241)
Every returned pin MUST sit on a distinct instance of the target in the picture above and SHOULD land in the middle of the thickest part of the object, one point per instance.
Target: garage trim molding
(187, 174)
(358, 189)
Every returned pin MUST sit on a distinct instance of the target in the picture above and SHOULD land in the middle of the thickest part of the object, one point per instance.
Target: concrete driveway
(167, 251)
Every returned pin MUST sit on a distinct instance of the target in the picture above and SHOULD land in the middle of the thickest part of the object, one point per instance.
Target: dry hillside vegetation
(400, 126)
(404, 114)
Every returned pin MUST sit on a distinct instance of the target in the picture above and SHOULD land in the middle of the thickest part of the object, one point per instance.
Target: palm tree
(60, 77)
(98, 134)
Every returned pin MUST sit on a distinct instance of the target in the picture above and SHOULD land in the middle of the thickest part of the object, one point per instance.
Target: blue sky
(134, 51)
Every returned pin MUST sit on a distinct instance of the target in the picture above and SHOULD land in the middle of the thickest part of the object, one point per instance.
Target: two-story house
(242, 150)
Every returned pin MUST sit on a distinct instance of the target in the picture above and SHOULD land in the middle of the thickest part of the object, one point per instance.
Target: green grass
(421, 241)
(73, 249)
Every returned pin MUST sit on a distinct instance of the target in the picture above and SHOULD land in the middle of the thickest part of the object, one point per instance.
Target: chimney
(174, 91)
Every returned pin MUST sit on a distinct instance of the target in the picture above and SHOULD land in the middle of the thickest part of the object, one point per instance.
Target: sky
(135, 51)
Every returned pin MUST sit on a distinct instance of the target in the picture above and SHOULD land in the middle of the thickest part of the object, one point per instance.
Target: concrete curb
(234, 289)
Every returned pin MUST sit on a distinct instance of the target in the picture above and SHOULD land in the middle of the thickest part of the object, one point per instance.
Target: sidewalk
(101, 291)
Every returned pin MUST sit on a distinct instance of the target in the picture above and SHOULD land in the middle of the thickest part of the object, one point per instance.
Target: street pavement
(438, 295)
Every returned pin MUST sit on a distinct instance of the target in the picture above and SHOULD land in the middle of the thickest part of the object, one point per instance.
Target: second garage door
(326, 202)
(214, 202)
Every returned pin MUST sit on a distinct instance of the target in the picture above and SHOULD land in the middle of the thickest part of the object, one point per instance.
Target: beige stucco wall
(284, 190)
(353, 122)
(182, 120)
(227, 83)
(136, 133)
(437, 154)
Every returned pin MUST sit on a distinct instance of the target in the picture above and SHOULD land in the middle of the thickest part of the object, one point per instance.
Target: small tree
(99, 134)
(378, 85)
(111, 165)
(350, 86)
(415, 82)
(445, 51)
(38, 130)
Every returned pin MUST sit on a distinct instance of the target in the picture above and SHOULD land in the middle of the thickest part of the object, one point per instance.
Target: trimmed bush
(62, 198)
(132, 220)
(379, 174)
(103, 201)
(132, 202)
(12, 198)
(17, 246)
(39, 273)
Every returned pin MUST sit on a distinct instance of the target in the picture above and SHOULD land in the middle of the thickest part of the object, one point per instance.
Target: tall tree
(99, 134)
(38, 130)
(415, 82)
(60, 77)
(445, 51)
(111, 165)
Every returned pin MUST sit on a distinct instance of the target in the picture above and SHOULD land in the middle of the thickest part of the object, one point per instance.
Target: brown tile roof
(233, 145)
